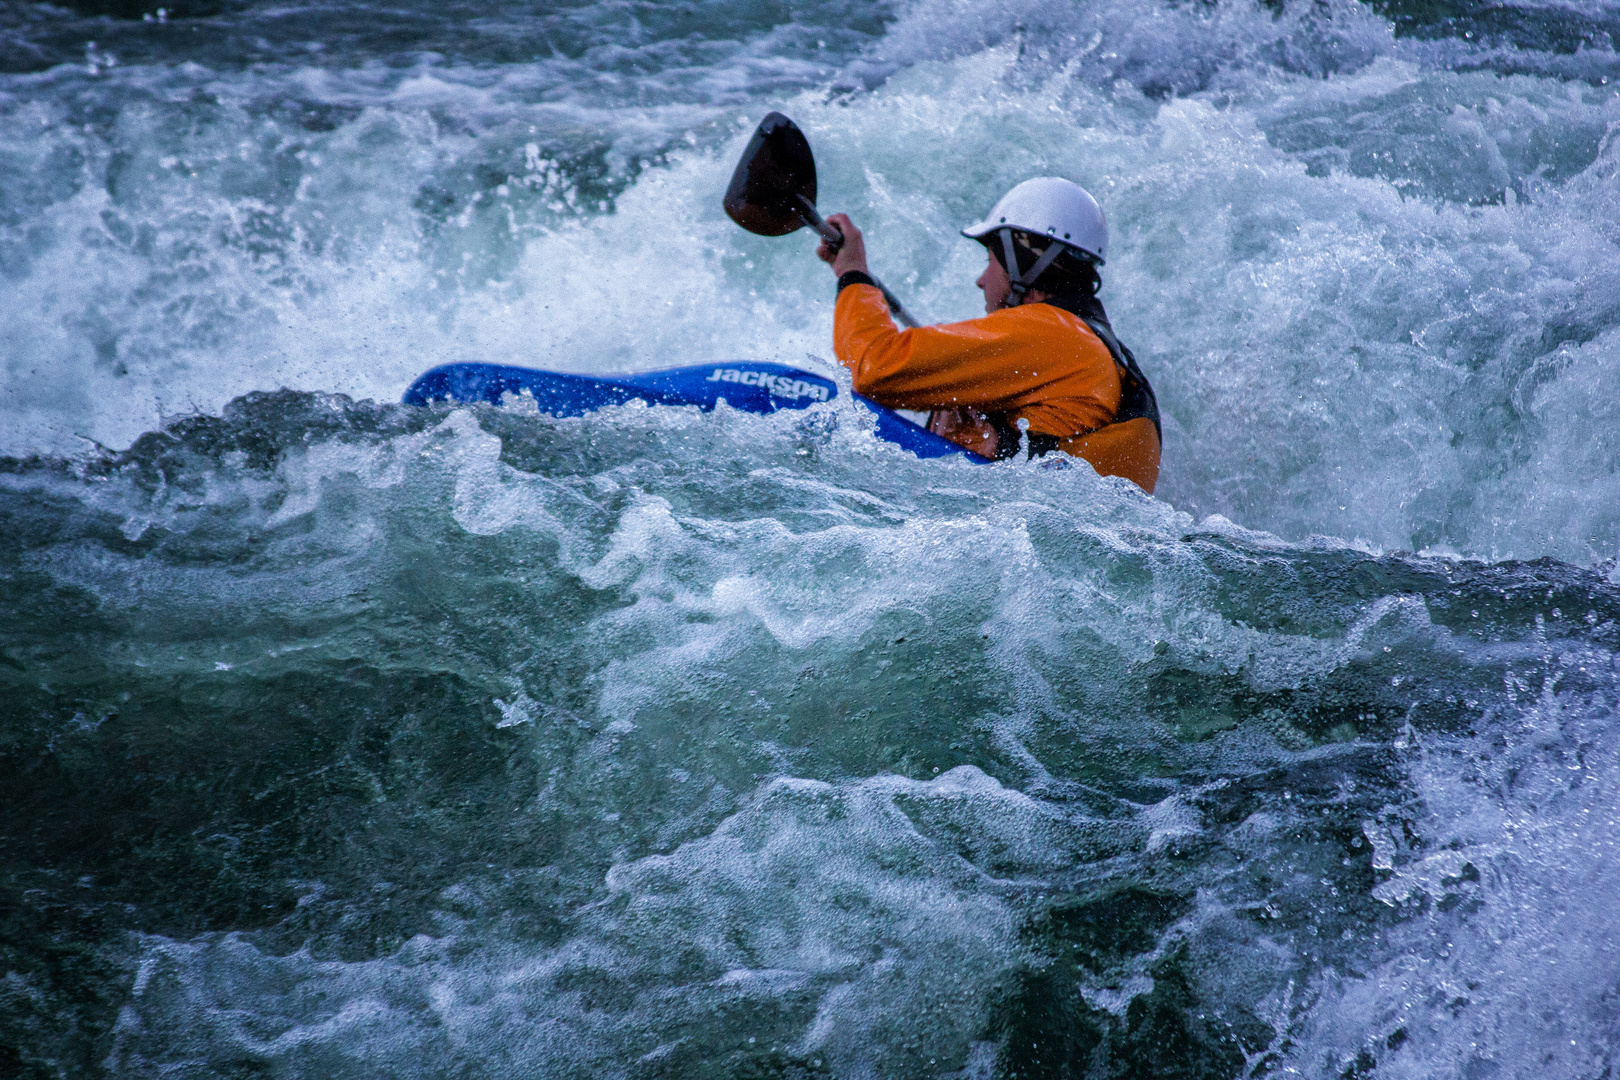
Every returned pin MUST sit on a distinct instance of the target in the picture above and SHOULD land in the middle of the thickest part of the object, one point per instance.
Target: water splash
(344, 738)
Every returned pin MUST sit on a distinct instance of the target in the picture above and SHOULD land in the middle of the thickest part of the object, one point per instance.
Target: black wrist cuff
(854, 277)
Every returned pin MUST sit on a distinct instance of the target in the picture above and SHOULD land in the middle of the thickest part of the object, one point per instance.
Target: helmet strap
(1010, 256)
(1021, 282)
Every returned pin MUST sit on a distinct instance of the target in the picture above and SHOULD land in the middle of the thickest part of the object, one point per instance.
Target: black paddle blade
(775, 171)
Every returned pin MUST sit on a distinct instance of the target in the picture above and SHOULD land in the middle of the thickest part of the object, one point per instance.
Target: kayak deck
(747, 385)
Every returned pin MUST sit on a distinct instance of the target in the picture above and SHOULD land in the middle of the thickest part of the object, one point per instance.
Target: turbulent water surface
(345, 739)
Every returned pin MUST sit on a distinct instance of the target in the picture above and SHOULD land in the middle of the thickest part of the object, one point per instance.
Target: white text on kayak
(776, 385)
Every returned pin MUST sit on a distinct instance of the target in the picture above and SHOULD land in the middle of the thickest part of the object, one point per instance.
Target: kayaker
(1042, 360)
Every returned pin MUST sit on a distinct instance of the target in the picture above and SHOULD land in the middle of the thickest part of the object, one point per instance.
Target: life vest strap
(1136, 397)
(1136, 402)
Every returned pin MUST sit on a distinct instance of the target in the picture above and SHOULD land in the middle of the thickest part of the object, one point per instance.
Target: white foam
(1338, 349)
(1523, 971)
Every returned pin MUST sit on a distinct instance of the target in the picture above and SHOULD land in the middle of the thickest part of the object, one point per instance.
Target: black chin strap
(1021, 282)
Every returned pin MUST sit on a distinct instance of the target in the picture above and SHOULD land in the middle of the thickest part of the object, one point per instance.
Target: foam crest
(1512, 962)
(1342, 345)
(601, 754)
(777, 910)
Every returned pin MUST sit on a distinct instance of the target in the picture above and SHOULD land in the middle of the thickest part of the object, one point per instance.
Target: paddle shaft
(807, 210)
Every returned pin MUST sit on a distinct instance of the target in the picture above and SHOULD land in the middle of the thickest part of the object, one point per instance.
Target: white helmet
(1045, 206)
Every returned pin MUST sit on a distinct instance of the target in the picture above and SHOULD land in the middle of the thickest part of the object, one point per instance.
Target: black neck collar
(1081, 304)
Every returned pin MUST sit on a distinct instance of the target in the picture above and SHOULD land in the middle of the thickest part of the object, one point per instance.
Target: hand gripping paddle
(773, 191)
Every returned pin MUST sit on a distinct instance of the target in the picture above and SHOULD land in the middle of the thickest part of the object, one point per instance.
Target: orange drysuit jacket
(1034, 362)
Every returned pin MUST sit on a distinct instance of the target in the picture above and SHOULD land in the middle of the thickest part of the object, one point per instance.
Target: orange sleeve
(1034, 362)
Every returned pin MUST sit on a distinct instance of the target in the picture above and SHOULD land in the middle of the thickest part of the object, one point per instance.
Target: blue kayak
(751, 387)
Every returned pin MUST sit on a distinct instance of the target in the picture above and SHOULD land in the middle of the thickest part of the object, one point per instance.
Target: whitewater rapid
(344, 738)
(1377, 291)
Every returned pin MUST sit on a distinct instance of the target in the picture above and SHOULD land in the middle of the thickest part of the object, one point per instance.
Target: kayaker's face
(996, 285)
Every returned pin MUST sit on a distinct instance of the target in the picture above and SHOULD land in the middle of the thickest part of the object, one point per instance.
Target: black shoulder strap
(1136, 397)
